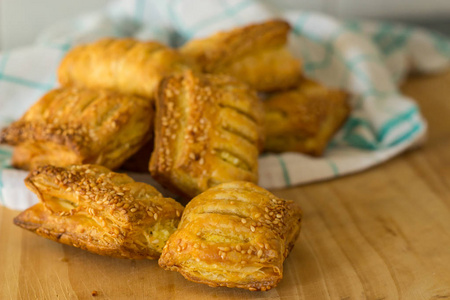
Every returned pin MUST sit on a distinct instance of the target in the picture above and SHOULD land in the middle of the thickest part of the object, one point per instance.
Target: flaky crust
(236, 235)
(207, 131)
(90, 207)
(256, 54)
(74, 126)
(125, 65)
(304, 119)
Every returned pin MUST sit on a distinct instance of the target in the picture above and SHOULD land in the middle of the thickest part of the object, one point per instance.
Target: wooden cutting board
(379, 234)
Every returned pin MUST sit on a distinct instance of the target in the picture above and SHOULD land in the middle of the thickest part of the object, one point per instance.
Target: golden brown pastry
(75, 126)
(304, 119)
(236, 235)
(256, 54)
(207, 131)
(107, 213)
(125, 65)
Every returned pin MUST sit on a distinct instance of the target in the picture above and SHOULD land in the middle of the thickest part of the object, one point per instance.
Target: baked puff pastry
(75, 126)
(125, 65)
(256, 54)
(107, 213)
(235, 235)
(304, 119)
(208, 130)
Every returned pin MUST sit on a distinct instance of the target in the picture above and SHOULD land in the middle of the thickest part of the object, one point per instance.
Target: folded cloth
(369, 59)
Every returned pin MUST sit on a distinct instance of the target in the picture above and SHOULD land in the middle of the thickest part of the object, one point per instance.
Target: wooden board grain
(379, 234)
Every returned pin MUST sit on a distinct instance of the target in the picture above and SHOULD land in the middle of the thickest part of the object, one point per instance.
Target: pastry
(208, 130)
(75, 126)
(256, 54)
(139, 161)
(125, 65)
(107, 213)
(236, 235)
(304, 119)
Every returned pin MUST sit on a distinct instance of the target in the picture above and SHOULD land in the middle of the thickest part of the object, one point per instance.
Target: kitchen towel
(368, 59)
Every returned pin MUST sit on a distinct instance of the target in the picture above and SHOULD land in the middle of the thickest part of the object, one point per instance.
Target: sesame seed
(238, 248)
(243, 220)
(260, 252)
(252, 228)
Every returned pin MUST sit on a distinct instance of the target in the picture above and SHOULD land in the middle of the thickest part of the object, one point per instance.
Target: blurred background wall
(22, 20)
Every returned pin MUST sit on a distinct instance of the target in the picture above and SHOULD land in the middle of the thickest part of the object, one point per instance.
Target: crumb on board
(94, 293)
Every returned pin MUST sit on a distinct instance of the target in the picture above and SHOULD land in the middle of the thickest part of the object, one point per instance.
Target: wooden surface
(380, 234)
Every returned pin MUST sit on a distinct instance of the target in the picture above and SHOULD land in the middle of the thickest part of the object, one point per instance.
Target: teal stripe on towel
(26, 82)
(334, 168)
(408, 135)
(3, 62)
(284, 169)
(386, 128)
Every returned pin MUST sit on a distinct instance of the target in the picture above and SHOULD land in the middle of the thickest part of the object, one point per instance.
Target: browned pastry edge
(74, 137)
(92, 246)
(252, 286)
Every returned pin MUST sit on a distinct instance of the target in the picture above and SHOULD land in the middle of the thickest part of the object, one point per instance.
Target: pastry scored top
(256, 54)
(125, 65)
(107, 213)
(207, 131)
(304, 119)
(72, 125)
(236, 234)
